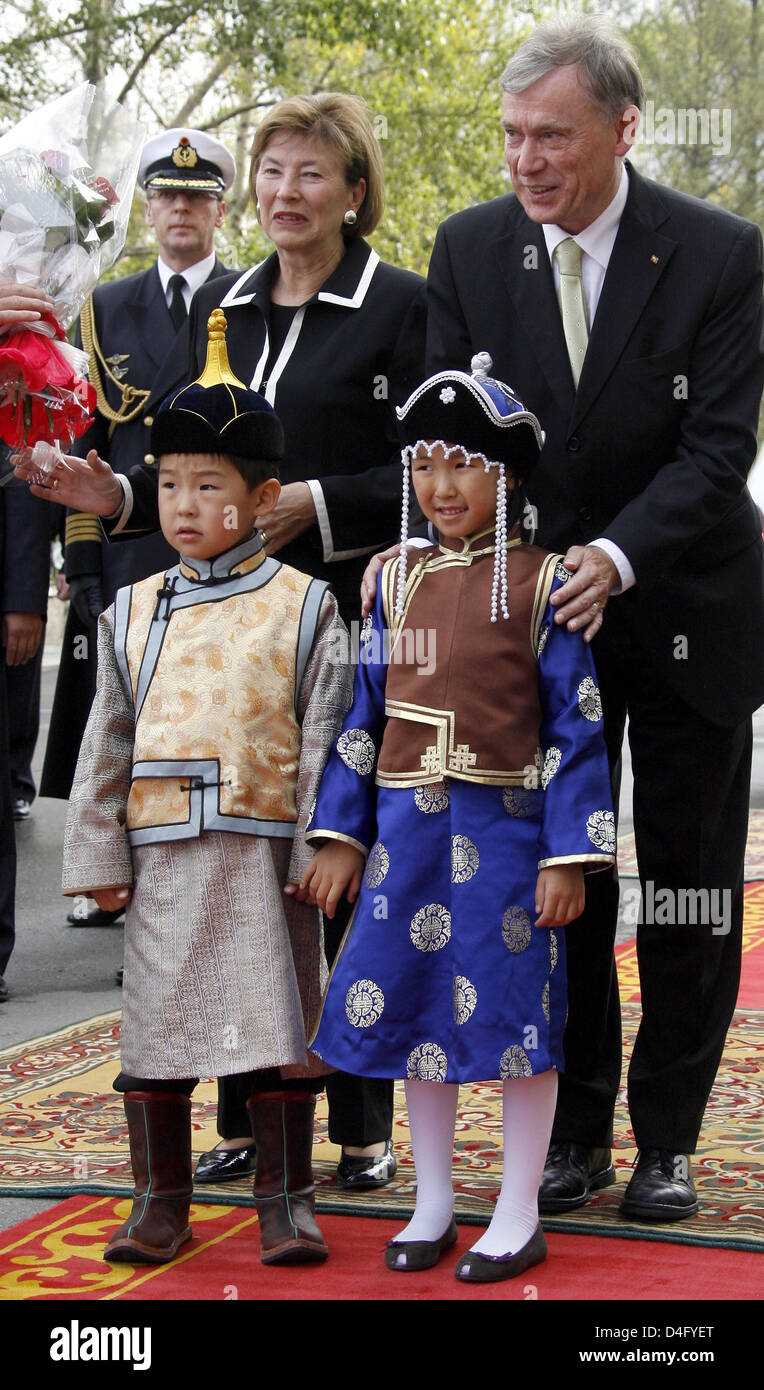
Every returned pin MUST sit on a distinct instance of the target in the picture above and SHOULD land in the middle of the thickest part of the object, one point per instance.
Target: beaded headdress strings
(485, 411)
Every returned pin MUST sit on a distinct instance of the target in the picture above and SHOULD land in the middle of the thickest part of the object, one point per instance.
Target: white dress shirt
(597, 242)
(194, 276)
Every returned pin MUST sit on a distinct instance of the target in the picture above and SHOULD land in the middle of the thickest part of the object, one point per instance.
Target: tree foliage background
(429, 70)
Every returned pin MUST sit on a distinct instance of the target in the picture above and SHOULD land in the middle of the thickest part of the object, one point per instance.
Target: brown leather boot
(159, 1125)
(282, 1127)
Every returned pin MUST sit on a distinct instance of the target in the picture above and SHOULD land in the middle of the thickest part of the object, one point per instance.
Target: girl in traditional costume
(219, 695)
(465, 797)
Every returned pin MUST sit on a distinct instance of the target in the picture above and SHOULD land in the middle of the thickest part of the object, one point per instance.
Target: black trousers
(360, 1108)
(691, 794)
(7, 840)
(269, 1079)
(23, 690)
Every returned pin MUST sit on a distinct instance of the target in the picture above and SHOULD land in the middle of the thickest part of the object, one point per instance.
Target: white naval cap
(186, 158)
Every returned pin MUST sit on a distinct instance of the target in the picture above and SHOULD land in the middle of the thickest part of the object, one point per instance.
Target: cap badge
(184, 155)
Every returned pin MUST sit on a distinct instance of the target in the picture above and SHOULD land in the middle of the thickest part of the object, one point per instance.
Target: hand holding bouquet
(67, 175)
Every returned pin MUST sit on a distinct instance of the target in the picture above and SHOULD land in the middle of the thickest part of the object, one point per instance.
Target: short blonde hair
(343, 122)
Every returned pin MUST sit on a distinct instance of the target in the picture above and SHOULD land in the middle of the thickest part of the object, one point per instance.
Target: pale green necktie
(572, 303)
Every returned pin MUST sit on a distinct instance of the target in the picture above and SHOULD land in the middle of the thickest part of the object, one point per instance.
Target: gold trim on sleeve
(317, 834)
(602, 860)
(543, 589)
(82, 526)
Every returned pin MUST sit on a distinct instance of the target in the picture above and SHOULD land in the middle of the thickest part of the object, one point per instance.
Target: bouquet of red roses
(67, 176)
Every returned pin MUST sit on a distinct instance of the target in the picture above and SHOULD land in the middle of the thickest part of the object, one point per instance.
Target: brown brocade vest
(473, 711)
(214, 670)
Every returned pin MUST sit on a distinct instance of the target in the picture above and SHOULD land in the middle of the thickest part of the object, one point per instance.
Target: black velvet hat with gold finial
(217, 414)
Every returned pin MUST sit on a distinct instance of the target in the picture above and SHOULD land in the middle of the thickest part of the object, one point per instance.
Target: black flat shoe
(474, 1268)
(96, 917)
(223, 1165)
(362, 1173)
(572, 1172)
(419, 1254)
(661, 1188)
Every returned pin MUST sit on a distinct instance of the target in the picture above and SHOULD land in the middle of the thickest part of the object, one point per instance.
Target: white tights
(528, 1111)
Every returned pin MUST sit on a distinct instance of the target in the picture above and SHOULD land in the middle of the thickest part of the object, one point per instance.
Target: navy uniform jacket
(654, 447)
(134, 326)
(354, 351)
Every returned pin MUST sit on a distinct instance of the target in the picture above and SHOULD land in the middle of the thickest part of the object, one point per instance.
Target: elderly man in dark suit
(628, 317)
(135, 333)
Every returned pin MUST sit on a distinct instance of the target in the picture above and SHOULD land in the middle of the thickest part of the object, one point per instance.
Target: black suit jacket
(132, 322)
(654, 447)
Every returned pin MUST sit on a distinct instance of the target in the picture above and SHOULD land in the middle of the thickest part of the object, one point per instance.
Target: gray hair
(608, 65)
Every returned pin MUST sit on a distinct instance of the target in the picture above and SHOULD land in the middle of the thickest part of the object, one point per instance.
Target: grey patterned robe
(223, 972)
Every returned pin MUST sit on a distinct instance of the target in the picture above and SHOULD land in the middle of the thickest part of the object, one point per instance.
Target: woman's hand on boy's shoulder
(334, 870)
(559, 894)
(371, 573)
(371, 576)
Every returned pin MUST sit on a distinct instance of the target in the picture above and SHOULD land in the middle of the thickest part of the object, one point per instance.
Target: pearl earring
(350, 218)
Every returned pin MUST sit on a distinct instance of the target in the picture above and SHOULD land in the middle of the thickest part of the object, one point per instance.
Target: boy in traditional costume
(475, 790)
(219, 695)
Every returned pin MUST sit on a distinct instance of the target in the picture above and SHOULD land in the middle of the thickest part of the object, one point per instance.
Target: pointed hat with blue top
(484, 418)
(477, 412)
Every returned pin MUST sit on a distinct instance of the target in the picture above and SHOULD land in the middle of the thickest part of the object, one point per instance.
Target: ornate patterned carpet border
(62, 1132)
(754, 853)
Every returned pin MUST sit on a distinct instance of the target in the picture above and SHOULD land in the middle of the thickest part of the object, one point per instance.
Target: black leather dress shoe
(408, 1255)
(119, 976)
(661, 1188)
(223, 1165)
(571, 1173)
(362, 1173)
(4, 991)
(96, 917)
(21, 808)
(474, 1268)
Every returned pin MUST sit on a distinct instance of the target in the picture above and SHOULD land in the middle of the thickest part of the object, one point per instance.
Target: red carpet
(751, 992)
(57, 1256)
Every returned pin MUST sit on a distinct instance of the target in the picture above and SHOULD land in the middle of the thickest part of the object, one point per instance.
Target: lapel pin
(655, 259)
